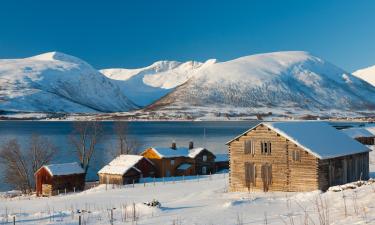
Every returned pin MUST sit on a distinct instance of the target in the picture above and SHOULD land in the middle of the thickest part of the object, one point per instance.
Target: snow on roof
(194, 152)
(64, 169)
(121, 164)
(222, 158)
(319, 138)
(167, 152)
(184, 166)
(360, 132)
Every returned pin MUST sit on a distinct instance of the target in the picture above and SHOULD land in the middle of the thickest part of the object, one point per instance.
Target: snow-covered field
(195, 201)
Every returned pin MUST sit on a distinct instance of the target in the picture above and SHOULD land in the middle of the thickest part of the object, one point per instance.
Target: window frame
(266, 147)
(249, 147)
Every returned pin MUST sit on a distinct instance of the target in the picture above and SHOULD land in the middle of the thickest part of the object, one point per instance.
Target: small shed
(365, 135)
(126, 169)
(58, 178)
(295, 156)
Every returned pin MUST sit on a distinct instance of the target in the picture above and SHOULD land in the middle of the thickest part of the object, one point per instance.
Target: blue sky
(136, 33)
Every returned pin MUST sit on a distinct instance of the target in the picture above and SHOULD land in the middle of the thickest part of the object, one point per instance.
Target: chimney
(174, 146)
(191, 145)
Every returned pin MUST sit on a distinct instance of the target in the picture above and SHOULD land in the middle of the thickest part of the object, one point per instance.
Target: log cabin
(126, 169)
(178, 161)
(295, 156)
(365, 135)
(59, 178)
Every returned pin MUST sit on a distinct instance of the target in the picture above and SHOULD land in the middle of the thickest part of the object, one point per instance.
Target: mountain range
(280, 83)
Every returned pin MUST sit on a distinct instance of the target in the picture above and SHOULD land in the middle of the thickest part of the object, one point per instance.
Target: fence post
(14, 220)
(154, 181)
(79, 220)
(58, 191)
(74, 189)
(111, 216)
(65, 191)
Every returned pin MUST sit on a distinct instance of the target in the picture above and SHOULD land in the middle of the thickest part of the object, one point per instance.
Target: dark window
(266, 148)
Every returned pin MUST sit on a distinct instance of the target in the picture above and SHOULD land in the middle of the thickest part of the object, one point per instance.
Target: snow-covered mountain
(56, 82)
(366, 74)
(146, 85)
(281, 82)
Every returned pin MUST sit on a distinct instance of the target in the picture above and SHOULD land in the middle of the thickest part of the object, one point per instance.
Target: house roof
(122, 164)
(360, 132)
(319, 138)
(167, 152)
(64, 169)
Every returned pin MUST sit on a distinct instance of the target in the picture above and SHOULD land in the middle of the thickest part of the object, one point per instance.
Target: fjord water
(212, 135)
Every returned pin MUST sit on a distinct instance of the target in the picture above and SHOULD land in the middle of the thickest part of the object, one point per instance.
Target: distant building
(178, 161)
(221, 162)
(295, 156)
(126, 169)
(365, 135)
(58, 178)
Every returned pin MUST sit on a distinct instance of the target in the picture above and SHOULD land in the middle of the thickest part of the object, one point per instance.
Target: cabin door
(266, 176)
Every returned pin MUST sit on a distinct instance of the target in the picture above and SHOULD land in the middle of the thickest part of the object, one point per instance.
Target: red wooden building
(59, 178)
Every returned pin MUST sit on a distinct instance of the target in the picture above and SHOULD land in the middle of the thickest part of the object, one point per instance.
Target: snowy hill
(367, 74)
(56, 82)
(280, 82)
(148, 84)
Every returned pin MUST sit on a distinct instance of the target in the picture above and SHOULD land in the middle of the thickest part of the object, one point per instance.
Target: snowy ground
(195, 201)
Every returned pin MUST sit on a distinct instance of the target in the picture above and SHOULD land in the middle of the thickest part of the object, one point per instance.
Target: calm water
(146, 133)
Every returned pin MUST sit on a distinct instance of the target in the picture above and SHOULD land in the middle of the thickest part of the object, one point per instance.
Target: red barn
(55, 178)
(126, 169)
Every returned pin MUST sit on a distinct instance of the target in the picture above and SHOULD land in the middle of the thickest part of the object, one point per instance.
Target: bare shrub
(85, 137)
(20, 165)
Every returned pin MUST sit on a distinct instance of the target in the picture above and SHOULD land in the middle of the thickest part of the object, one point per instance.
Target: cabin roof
(122, 164)
(319, 138)
(360, 132)
(168, 152)
(64, 169)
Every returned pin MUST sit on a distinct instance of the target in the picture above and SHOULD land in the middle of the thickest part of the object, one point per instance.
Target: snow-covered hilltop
(148, 84)
(280, 82)
(366, 74)
(56, 82)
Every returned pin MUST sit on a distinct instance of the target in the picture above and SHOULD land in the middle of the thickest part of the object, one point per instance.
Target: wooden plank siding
(292, 167)
(287, 175)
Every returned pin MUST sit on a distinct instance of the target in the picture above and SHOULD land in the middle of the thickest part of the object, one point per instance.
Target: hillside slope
(56, 82)
(148, 84)
(366, 74)
(280, 82)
